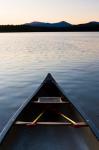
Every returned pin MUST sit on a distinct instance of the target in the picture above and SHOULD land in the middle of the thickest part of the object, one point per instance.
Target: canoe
(48, 121)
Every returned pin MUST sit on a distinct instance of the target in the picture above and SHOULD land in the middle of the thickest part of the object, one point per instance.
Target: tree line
(26, 28)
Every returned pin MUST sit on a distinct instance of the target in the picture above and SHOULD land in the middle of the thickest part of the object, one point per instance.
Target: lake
(72, 58)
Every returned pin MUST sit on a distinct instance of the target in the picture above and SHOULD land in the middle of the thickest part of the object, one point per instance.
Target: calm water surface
(26, 58)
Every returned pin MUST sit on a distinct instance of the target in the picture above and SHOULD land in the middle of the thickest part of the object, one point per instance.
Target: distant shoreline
(29, 29)
(47, 31)
(51, 27)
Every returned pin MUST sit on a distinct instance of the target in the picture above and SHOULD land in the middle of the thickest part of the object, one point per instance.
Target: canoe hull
(47, 136)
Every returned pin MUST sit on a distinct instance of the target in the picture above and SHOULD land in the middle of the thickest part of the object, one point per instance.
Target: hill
(51, 27)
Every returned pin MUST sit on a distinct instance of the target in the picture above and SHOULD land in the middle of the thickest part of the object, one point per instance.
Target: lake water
(26, 58)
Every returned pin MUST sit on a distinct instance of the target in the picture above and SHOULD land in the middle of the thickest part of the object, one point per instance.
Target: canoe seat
(50, 100)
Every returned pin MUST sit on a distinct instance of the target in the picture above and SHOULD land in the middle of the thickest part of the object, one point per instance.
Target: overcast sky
(73, 11)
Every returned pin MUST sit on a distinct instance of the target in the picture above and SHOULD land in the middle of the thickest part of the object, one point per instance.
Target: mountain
(90, 26)
(51, 27)
(61, 24)
(94, 22)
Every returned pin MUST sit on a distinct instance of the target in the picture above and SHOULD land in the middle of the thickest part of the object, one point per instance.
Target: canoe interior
(46, 137)
(49, 88)
(49, 137)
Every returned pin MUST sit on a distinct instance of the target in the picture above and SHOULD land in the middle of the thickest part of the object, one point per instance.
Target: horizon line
(52, 22)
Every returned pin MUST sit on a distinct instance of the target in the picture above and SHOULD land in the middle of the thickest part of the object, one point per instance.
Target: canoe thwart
(78, 125)
(43, 123)
(69, 121)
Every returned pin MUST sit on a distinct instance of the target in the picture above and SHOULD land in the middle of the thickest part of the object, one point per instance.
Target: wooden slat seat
(50, 100)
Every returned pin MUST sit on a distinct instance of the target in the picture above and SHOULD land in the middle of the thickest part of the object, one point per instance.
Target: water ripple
(26, 58)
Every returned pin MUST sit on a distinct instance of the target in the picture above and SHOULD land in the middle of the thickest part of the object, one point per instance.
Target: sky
(72, 11)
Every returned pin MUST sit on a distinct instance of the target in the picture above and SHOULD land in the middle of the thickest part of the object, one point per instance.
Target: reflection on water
(26, 58)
